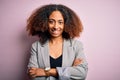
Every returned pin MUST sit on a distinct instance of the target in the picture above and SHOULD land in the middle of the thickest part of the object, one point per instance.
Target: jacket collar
(67, 45)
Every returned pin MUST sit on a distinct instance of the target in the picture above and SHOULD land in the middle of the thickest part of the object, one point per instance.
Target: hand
(77, 62)
(34, 72)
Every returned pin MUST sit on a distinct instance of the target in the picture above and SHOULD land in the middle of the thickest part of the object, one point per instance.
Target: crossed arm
(35, 72)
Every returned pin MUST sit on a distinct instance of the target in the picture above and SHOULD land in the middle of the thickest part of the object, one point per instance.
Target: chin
(56, 36)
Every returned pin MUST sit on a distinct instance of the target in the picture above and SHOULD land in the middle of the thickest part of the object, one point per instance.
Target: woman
(57, 55)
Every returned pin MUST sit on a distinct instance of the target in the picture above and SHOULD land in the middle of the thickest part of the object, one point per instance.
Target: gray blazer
(72, 49)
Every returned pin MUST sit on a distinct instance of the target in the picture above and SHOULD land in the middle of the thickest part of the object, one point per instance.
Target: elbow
(80, 74)
(83, 74)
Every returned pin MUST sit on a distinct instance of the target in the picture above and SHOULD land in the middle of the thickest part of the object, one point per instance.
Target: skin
(56, 24)
(56, 27)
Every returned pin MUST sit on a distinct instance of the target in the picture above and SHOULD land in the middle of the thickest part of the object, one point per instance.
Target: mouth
(55, 30)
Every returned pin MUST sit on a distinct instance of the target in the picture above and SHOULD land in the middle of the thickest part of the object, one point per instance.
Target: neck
(56, 40)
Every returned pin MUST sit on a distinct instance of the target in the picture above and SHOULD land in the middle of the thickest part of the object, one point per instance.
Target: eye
(60, 22)
(51, 21)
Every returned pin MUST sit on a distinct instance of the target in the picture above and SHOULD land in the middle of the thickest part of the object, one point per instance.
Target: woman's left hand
(77, 62)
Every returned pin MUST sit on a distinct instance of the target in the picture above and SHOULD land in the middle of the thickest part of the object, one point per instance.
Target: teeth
(54, 29)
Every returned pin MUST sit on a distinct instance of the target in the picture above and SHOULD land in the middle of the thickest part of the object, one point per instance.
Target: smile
(56, 30)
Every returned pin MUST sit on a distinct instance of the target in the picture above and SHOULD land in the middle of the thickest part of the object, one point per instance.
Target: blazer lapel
(45, 54)
(67, 49)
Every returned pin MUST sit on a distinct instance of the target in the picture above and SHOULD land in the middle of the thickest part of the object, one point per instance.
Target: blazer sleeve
(75, 72)
(33, 57)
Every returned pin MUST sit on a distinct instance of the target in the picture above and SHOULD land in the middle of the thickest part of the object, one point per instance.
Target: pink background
(101, 36)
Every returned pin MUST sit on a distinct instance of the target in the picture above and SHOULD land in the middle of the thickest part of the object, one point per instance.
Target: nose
(56, 25)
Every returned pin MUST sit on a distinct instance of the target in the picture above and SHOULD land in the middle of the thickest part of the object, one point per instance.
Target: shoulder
(36, 43)
(76, 43)
(39, 44)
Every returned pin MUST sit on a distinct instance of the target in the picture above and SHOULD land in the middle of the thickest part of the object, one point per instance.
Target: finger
(33, 75)
(33, 68)
(31, 72)
(78, 60)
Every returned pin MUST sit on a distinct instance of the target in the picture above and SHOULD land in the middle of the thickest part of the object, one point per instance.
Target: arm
(33, 68)
(37, 72)
(33, 57)
(79, 68)
(77, 71)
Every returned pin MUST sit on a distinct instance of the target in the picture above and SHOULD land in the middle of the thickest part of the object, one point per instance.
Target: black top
(55, 62)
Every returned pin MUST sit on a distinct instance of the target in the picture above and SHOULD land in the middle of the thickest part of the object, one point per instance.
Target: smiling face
(56, 24)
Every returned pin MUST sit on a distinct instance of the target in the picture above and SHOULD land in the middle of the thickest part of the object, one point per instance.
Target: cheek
(50, 26)
(62, 27)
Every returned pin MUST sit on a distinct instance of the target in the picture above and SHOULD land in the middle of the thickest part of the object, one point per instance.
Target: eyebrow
(58, 20)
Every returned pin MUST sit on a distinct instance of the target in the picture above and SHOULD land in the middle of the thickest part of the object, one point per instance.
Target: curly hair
(37, 23)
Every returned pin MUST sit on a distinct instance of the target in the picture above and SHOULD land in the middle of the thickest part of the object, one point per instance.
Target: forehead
(56, 15)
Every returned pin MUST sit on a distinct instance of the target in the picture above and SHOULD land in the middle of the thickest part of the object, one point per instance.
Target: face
(56, 24)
